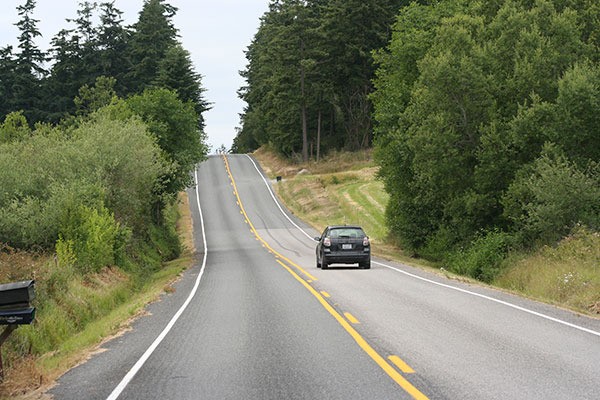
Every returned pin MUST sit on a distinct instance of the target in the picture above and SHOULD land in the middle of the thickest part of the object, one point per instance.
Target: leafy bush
(438, 245)
(483, 258)
(104, 162)
(96, 239)
(551, 196)
(174, 125)
(14, 128)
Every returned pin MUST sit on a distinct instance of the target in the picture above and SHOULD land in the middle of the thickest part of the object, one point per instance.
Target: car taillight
(326, 242)
(365, 241)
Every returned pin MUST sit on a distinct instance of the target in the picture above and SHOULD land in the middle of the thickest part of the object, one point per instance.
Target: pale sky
(215, 32)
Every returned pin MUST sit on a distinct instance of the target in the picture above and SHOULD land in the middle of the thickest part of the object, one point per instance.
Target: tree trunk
(319, 136)
(304, 127)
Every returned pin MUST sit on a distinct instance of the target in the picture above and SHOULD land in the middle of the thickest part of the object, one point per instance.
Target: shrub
(551, 196)
(96, 239)
(102, 162)
(483, 258)
(14, 128)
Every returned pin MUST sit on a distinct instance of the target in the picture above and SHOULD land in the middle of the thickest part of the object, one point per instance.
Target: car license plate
(346, 246)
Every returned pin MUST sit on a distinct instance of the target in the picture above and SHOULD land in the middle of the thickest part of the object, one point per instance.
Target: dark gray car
(343, 244)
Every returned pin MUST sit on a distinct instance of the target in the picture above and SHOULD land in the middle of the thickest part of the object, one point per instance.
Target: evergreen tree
(176, 72)
(285, 81)
(7, 77)
(112, 36)
(63, 83)
(354, 28)
(76, 63)
(152, 36)
(86, 37)
(29, 70)
(309, 74)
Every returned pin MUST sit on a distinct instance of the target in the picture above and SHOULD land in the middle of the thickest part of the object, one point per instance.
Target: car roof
(344, 226)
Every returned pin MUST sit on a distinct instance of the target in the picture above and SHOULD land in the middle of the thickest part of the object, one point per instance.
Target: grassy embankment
(343, 189)
(76, 313)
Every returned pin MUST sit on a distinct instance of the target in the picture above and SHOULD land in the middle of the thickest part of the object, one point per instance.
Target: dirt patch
(184, 224)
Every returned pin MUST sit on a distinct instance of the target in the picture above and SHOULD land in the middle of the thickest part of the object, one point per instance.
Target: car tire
(324, 264)
(318, 263)
(365, 265)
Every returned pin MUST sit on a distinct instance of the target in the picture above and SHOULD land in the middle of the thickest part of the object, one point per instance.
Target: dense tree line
(94, 150)
(483, 115)
(309, 75)
(487, 125)
(147, 54)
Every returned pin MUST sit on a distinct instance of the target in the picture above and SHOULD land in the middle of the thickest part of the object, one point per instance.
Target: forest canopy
(487, 122)
(309, 75)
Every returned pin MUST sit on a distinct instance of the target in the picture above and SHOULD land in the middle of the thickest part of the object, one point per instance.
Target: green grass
(115, 320)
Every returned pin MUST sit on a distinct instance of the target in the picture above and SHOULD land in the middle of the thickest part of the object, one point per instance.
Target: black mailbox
(24, 316)
(16, 293)
(15, 299)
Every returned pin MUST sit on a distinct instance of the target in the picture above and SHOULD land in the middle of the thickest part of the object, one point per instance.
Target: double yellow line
(285, 262)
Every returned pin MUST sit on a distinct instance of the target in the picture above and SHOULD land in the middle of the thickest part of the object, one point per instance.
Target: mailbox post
(15, 309)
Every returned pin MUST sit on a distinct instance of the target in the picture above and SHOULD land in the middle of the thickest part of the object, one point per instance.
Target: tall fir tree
(354, 29)
(76, 62)
(29, 68)
(7, 77)
(309, 71)
(112, 36)
(152, 36)
(176, 72)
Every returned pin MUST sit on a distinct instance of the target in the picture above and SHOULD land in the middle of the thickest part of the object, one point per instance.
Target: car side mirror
(317, 238)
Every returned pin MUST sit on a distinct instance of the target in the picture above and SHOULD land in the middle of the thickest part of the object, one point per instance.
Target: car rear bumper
(345, 258)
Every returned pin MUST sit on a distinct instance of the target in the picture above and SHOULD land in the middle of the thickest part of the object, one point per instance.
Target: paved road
(255, 319)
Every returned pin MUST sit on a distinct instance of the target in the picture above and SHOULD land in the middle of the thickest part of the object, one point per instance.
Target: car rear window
(346, 233)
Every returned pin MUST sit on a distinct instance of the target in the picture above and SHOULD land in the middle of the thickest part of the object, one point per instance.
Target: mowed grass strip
(352, 197)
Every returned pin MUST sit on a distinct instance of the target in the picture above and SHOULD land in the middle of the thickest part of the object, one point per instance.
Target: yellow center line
(325, 294)
(404, 367)
(399, 379)
(363, 344)
(253, 229)
(351, 318)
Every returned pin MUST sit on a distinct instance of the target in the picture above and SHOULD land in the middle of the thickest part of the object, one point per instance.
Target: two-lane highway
(255, 319)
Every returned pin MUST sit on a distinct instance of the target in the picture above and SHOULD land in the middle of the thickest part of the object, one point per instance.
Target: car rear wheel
(365, 265)
(324, 264)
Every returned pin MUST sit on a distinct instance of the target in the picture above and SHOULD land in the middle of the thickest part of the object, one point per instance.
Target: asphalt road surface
(255, 319)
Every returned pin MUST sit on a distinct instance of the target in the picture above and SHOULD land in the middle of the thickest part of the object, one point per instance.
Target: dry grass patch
(276, 165)
(568, 274)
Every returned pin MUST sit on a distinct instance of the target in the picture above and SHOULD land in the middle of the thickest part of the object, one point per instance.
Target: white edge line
(492, 299)
(581, 328)
(275, 199)
(138, 365)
